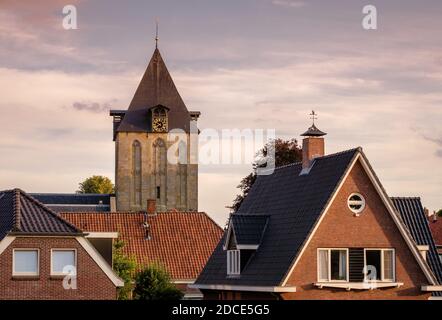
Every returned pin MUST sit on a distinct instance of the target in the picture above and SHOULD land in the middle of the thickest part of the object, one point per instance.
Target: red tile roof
(436, 230)
(181, 241)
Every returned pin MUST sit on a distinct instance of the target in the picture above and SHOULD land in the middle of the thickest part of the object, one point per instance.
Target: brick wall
(92, 282)
(374, 228)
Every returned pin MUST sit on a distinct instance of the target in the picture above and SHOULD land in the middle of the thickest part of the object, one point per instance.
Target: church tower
(142, 169)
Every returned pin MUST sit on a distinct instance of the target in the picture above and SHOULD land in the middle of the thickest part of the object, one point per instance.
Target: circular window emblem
(356, 203)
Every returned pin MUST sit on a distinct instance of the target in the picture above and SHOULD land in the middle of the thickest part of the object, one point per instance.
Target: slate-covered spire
(156, 88)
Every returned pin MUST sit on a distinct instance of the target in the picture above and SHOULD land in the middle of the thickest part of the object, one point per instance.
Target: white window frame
(382, 264)
(25, 274)
(329, 264)
(363, 204)
(53, 273)
(236, 269)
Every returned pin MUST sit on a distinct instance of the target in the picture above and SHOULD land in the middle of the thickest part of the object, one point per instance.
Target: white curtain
(342, 265)
(388, 265)
(323, 265)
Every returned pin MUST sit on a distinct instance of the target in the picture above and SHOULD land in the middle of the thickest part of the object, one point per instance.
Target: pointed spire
(155, 88)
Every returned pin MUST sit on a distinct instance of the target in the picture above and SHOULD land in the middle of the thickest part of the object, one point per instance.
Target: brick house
(42, 256)
(323, 228)
(435, 223)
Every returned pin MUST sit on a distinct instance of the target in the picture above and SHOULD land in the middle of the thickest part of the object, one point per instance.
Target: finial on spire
(313, 116)
(156, 33)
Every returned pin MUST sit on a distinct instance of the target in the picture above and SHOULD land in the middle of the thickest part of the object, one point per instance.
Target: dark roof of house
(248, 229)
(21, 213)
(74, 202)
(155, 88)
(294, 204)
(413, 216)
(181, 241)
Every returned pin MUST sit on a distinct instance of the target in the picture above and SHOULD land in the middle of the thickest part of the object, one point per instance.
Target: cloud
(289, 3)
(93, 107)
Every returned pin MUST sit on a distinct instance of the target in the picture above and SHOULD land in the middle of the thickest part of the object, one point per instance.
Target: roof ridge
(50, 211)
(16, 208)
(322, 157)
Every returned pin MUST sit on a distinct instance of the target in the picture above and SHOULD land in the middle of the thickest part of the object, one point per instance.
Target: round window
(356, 203)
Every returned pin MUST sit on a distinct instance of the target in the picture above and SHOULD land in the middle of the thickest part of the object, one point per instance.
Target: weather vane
(313, 116)
(156, 33)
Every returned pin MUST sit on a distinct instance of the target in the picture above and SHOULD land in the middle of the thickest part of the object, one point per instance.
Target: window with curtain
(136, 158)
(332, 265)
(60, 259)
(26, 262)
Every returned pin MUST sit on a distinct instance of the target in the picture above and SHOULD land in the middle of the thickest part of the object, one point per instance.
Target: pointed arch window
(136, 172)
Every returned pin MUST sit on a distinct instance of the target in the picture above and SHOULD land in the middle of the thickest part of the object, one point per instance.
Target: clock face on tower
(159, 124)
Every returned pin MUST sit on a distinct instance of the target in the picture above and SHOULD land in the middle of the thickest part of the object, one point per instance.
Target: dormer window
(243, 238)
(159, 119)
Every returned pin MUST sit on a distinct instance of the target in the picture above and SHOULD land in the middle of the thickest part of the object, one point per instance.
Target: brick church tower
(143, 171)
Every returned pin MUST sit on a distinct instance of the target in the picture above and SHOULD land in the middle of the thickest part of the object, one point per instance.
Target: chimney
(434, 216)
(151, 206)
(312, 145)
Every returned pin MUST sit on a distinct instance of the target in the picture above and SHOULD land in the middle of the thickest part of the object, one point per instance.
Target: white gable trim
(387, 202)
(100, 261)
(229, 232)
(4, 244)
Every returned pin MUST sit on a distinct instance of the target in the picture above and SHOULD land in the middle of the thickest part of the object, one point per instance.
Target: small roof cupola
(312, 145)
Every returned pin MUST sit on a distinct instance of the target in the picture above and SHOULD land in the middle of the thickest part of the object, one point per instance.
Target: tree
(97, 184)
(439, 213)
(154, 283)
(125, 267)
(286, 152)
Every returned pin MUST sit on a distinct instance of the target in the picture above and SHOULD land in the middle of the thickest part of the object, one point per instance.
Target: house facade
(44, 257)
(323, 228)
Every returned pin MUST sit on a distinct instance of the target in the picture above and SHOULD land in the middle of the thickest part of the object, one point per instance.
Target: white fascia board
(247, 246)
(4, 244)
(431, 288)
(243, 288)
(95, 255)
(102, 235)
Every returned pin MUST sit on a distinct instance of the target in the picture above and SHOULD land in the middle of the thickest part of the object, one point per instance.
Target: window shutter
(356, 261)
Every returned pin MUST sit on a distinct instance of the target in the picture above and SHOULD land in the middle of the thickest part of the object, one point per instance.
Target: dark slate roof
(313, 132)
(413, 215)
(294, 204)
(155, 88)
(75, 202)
(21, 213)
(248, 229)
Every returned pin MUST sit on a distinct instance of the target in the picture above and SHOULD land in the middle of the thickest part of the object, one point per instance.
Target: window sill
(26, 278)
(358, 285)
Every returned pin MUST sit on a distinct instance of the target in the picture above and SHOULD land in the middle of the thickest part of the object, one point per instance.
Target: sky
(259, 64)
